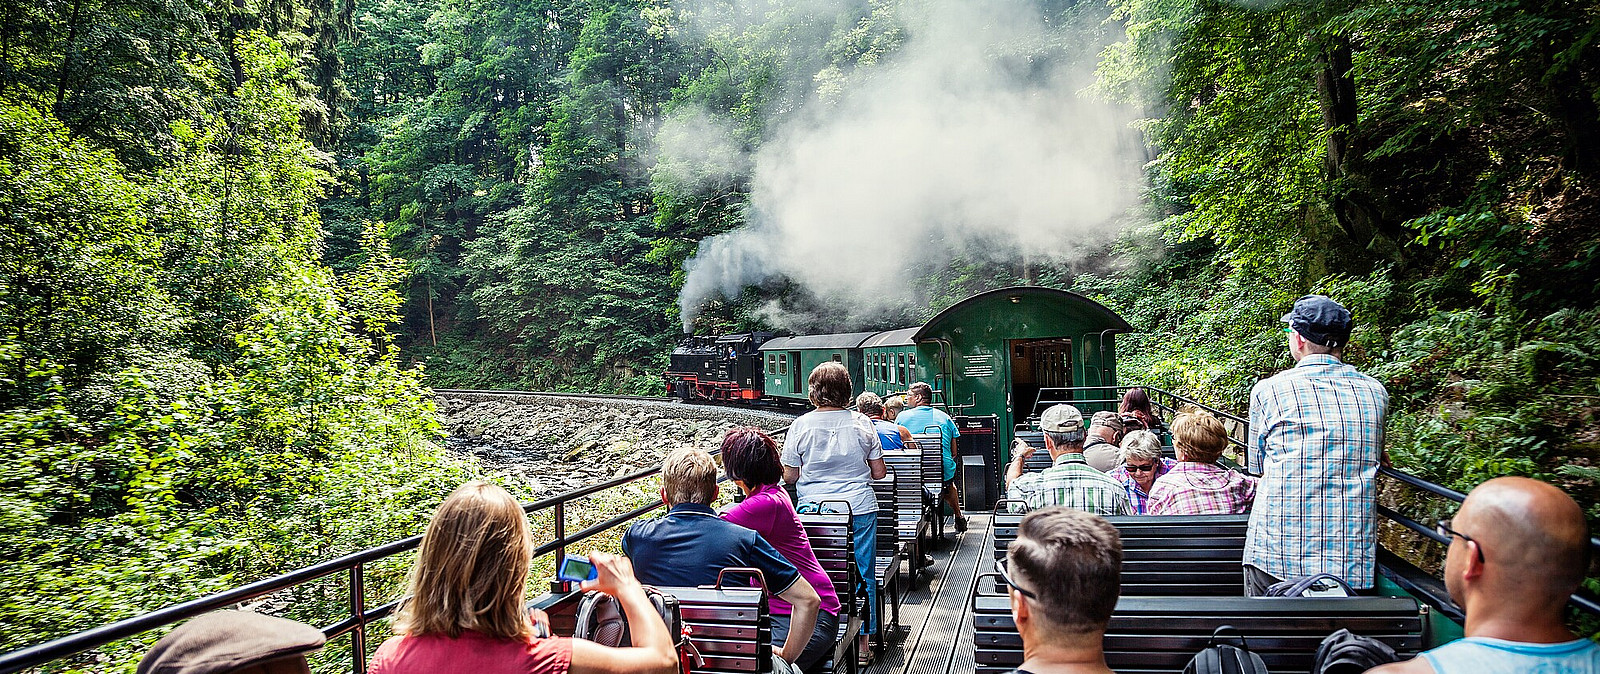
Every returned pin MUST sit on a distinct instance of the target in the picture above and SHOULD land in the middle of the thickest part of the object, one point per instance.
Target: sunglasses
(1136, 468)
(1443, 529)
(1004, 565)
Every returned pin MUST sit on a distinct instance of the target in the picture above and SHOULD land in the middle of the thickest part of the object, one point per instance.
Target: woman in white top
(833, 454)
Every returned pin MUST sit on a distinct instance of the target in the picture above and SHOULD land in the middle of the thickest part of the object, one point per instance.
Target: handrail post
(358, 612)
(556, 584)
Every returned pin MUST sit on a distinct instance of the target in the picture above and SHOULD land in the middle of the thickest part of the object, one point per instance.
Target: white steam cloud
(957, 145)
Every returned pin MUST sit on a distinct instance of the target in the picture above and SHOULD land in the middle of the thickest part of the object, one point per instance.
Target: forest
(240, 241)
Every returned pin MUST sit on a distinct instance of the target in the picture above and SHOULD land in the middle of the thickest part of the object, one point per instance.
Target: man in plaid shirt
(1071, 482)
(1316, 438)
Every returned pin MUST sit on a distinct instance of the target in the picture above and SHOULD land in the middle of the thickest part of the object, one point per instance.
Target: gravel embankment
(561, 443)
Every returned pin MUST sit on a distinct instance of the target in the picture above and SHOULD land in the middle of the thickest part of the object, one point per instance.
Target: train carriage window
(905, 375)
(877, 367)
(894, 373)
(838, 358)
(911, 368)
(783, 363)
(772, 364)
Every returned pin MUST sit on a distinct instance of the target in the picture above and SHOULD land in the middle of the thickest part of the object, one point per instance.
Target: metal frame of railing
(353, 564)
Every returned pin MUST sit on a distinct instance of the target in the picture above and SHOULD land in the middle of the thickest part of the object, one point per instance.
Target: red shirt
(471, 653)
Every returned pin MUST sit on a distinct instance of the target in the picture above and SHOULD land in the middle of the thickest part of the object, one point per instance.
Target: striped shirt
(1192, 488)
(1137, 499)
(1316, 434)
(1073, 483)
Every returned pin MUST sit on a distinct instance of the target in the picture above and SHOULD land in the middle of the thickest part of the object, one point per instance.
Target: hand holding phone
(577, 569)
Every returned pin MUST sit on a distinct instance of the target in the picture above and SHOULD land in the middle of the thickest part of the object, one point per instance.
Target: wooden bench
(1161, 634)
(888, 554)
(835, 550)
(931, 448)
(910, 507)
(730, 626)
(1165, 555)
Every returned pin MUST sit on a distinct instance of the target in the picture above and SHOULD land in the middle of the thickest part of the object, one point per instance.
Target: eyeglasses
(1136, 468)
(1443, 529)
(1005, 575)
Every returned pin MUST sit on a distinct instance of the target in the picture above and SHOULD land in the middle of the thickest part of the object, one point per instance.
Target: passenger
(1136, 405)
(833, 454)
(890, 434)
(1142, 463)
(466, 606)
(1316, 438)
(921, 419)
(690, 546)
(226, 642)
(1198, 485)
(1102, 448)
(750, 458)
(892, 407)
(1063, 574)
(1518, 549)
(1070, 481)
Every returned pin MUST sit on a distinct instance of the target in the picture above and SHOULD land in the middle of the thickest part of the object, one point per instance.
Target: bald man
(1518, 549)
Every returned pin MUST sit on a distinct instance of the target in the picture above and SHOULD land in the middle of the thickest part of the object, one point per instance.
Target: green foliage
(188, 398)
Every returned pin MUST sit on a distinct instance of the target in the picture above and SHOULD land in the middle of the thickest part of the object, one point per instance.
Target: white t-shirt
(831, 449)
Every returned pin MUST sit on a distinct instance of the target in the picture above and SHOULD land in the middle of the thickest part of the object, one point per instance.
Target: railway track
(673, 406)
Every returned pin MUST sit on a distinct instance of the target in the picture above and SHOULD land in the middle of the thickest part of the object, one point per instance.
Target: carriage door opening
(1038, 364)
(797, 382)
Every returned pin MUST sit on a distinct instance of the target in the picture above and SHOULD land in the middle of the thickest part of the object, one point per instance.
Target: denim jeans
(864, 531)
(817, 649)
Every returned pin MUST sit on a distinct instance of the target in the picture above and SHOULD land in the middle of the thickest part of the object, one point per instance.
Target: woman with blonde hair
(466, 609)
(1199, 485)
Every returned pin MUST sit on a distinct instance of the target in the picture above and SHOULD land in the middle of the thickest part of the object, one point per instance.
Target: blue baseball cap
(1321, 320)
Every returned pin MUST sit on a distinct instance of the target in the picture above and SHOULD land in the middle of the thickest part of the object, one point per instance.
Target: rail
(353, 565)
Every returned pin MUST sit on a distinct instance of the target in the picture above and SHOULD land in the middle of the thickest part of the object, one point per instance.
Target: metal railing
(353, 565)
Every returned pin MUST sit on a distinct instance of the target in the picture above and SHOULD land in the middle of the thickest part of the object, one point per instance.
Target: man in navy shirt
(691, 545)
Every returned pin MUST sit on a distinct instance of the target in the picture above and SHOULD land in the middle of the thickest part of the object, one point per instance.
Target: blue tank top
(1482, 655)
(889, 434)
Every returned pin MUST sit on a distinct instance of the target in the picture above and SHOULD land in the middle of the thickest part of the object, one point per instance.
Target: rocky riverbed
(557, 443)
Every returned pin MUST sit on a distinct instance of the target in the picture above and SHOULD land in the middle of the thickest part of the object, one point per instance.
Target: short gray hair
(1142, 445)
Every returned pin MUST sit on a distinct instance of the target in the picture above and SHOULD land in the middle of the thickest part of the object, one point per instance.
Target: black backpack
(1344, 652)
(1297, 587)
(1226, 658)
(601, 620)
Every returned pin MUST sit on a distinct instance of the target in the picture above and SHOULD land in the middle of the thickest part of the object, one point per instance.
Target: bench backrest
(931, 446)
(909, 511)
(1161, 634)
(1167, 555)
(835, 550)
(1040, 459)
(888, 530)
(730, 627)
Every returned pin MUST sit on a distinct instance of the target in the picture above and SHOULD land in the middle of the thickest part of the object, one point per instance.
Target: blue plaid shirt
(1316, 434)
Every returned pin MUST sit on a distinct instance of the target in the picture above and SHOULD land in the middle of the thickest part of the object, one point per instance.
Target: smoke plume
(972, 140)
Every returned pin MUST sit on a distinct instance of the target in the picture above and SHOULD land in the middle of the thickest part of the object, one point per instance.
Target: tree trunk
(1356, 209)
(66, 58)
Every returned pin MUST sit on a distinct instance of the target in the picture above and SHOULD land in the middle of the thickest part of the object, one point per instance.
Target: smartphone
(577, 569)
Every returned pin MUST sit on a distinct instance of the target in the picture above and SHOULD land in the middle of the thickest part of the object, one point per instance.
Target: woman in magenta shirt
(466, 605)
(750, 458)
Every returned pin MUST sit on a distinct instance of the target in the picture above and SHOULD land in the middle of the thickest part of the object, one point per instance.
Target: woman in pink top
(750, 458)
(1198, 485)
(465, 611)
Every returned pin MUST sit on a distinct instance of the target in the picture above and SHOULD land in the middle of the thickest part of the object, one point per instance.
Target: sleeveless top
(889, 434)
(1482, 655)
